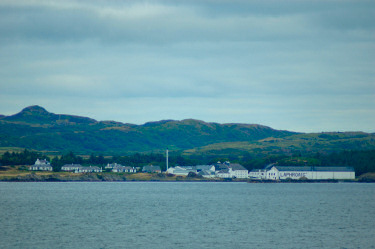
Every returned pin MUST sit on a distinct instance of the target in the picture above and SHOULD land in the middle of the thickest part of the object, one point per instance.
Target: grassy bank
(21, 173)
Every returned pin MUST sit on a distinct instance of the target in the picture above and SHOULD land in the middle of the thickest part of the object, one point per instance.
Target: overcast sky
(299, 65)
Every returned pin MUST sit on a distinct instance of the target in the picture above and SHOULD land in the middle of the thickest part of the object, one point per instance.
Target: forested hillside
(35, 128)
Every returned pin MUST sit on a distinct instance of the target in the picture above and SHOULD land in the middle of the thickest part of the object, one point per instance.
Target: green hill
(305, 143)
(36, 128)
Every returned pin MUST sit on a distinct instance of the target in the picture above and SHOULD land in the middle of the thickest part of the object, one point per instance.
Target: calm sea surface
(187, 215)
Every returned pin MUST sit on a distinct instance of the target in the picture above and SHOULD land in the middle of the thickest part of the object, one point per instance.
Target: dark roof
(114, 164)
(315, 168)
(269, 166)
(188, 167)
(257, 170)
(72, 165)
(236, 166)
(151, 168)
(203, 167)
(224, 171)
(220, 166)
(334, 168)
(206, 173)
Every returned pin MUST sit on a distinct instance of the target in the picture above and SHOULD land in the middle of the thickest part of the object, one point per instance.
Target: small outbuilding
(151, 169)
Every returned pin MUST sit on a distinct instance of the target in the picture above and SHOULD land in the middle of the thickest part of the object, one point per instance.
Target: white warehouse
(310, 172)
(306, 172)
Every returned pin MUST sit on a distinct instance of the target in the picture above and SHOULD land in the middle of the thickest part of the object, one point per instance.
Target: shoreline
(94, 177)
(15, 174)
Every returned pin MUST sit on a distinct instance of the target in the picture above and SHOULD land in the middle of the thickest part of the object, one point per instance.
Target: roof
(227, 165)
(41, 162)
(113, 165)
(72, 165)
(334, 168)
(187, 167)
(258, 170)
(224, 171)
(206, 173)
(151, 168)
(269, 166)
(118, 166)
(236, 166)
(204, 167)
(220, 166)
(315, 168)
(89, 168)
(181, 170)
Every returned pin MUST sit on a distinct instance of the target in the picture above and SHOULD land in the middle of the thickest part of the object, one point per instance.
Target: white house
(111, 165)
(43, 165)
(71, 167)
(127, 169)
(90, 169)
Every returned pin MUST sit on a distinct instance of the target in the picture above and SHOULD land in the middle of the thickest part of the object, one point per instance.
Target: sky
(306, 66)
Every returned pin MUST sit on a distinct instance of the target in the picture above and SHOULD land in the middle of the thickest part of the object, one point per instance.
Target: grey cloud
(291, 66)
(163, 23)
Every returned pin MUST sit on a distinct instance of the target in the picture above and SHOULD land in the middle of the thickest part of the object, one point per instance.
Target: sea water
(186, 215)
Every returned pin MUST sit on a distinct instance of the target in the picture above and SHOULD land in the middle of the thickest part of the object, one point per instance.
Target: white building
(182, 170)
(43, 165)
(151, 169)
(258, 174)
(124, 169)
(90, 169)
(308, 172)
(207, 171)
(71, 167)
(78, 168)
(112, 165)
(224, 173)
(238, 171)
(231, 170)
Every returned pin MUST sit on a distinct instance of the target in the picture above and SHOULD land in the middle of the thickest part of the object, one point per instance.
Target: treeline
(25, 157)
(362, 161)
(136, 160)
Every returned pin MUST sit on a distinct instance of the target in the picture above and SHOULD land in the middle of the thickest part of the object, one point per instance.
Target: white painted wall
(275, 174)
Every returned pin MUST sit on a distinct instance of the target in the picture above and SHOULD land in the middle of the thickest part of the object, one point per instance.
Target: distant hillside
(36, 128)
(296, 144)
